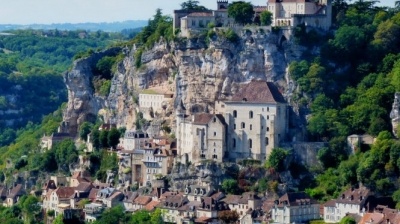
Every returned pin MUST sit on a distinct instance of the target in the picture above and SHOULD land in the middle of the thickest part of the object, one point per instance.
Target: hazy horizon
(22, 12)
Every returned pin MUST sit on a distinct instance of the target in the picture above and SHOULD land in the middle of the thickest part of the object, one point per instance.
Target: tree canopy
(242, 12)
(192, 5)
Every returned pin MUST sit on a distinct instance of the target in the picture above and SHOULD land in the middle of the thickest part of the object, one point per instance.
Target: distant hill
(109, 27)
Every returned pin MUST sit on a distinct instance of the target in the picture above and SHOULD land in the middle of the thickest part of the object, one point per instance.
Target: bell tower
(222, 4)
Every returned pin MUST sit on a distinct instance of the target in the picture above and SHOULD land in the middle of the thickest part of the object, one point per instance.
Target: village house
(295, 208)
(242, 203)
(172, 207)
(352, 201)
(134, 140)
(47, 142)
(200, 136)
(80, 177)
(110, 197)
(93, 211)
(55, 198)
(13, 195)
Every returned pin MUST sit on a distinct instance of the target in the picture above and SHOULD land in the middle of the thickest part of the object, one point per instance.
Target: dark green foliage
(141, 217)
(230, 186)
(276, 159)
(192, 5)
(65, 154)
(242, 12)
(115, 214)
(347, 220)
(266, 18)
(20, 164)
(84, 130)
(113, 137)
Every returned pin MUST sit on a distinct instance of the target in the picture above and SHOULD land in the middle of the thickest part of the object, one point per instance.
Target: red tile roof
(64, 192)
(150, 206)
(142, 200)
(258, 91)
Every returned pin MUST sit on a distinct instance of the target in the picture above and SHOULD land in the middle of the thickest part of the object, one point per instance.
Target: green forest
(349, 89)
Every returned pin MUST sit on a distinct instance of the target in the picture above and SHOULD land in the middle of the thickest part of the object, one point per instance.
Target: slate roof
(258, 91)
(16, 191)
(84, 187)
(296, 199)
(64, 192)
(200, 14)
(202, 118)
(354, 196)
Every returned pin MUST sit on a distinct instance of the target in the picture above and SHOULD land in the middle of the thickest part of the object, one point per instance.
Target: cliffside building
(200, 136)
(295, 12)
(257, 120)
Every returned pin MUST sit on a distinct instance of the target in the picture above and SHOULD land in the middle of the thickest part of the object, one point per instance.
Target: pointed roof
(258, 91)
(181, 108)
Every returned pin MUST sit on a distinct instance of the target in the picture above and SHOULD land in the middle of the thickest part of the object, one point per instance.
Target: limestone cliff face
(198, 73)
(83, 104)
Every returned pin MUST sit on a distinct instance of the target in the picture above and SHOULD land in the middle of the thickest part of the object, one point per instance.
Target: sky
(78, 11)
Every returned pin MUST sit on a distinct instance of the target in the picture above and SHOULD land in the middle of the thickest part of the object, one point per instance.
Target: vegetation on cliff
(349, 89)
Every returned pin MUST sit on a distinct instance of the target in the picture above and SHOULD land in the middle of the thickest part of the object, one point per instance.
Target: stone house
(13, 195)
(295, 208)
(156, 162)
(93, 211)
(352, 201)
(154, 99)
(242, 203)
(60, 196)
(80, 177)
(47, 142)
(291, 13)
(172, 207)
(134, 140)
(110, 197)
(257, 120)
(201, 137)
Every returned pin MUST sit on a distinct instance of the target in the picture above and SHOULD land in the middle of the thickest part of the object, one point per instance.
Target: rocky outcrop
(83, 104)
(199, 74)
(395, 113)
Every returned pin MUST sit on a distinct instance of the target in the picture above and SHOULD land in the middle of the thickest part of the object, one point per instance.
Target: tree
(242, 12)
(156, 217)
(347, 220)
(277, 158)
(230, 186)
(84, 130)
(141, 217)
(266, 18)
(113, 215)
(65, 154)
(192, 5)
(103, 139)
(228, 216)
(30, 208)
(113, 137)
(59, 219)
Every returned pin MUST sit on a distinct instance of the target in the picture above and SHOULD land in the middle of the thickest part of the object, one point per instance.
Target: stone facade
(257, 120)
(295, 12)
(201, 136)
(134, 140)
(295, 208)
(154, 100)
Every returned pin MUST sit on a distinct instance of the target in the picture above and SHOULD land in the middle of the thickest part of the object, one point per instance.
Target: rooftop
(258, 91)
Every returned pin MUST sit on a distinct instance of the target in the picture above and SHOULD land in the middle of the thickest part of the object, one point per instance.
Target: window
(234, 126)
(234, 113)
(243, 125)
(266, 141)
(193, 22)
(251, 127)
(234, 143)
(267, 129)
(267, 117)
(250, 143)
(215, 133)
(215, 119)
(268, 109)
(251, 114)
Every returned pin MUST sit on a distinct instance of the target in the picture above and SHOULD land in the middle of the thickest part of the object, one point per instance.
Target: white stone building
(134, 140)
(257, 120)
(295, 208)
(352, 201)
(294, 12)
(154, 99)
(200, 136)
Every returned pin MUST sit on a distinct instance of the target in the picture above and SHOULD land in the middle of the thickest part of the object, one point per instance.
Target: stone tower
(222, 4)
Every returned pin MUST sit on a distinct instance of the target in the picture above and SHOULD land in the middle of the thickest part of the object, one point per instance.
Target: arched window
(268, 109)
(251, 114)
(267, 117)
(266, 141)
(250, 143)
(243, 125)
(234, 113)
(234, 143)
(267, 129)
